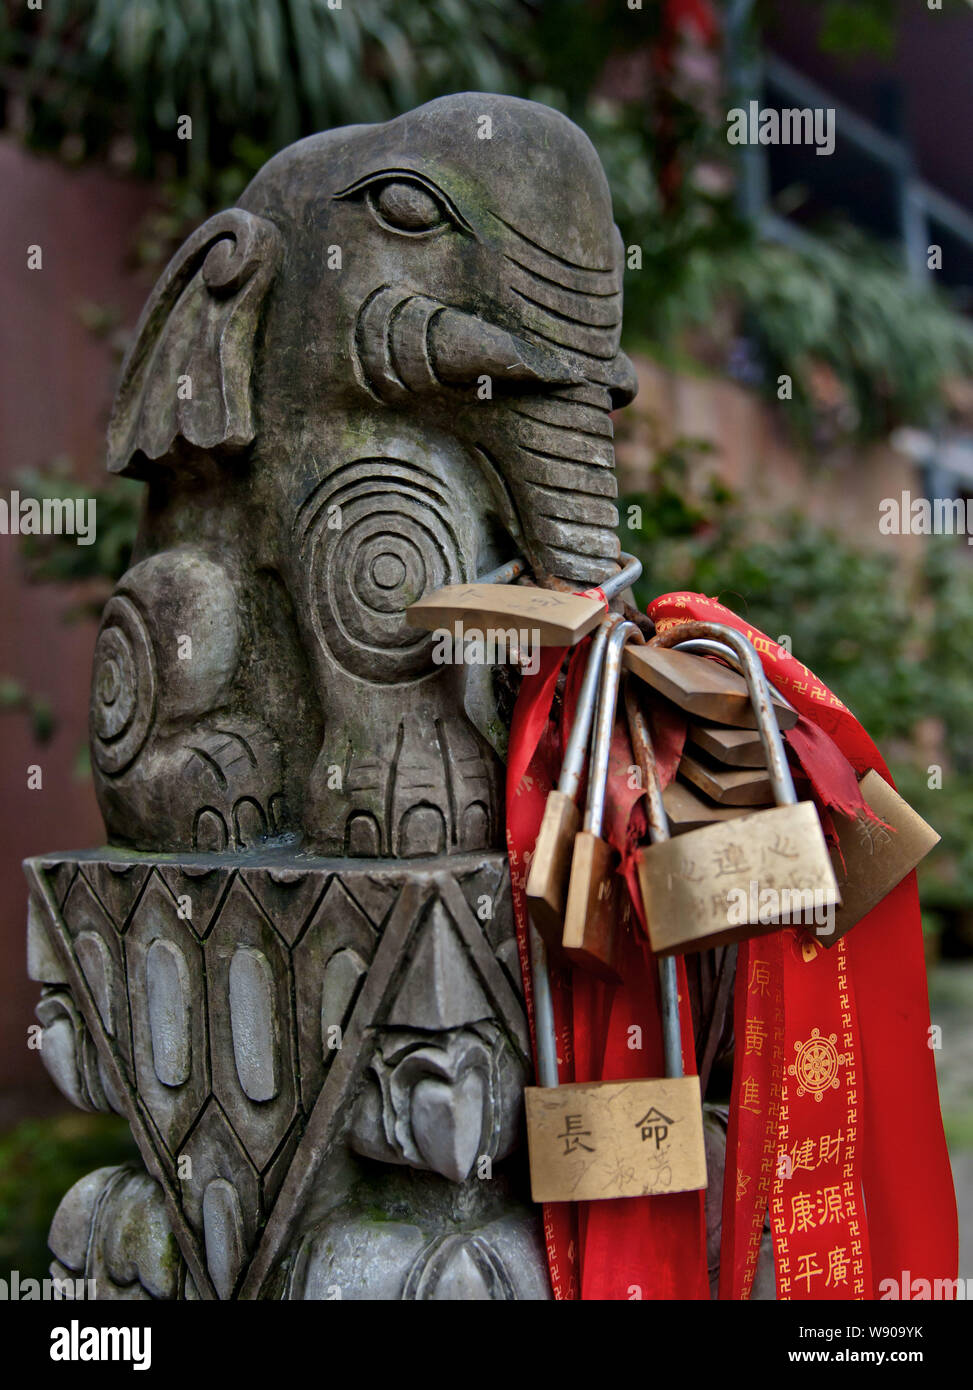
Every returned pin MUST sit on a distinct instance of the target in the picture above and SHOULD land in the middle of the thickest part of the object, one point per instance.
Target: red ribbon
(594, 592)
(821, 1157)
(633, 1248)
(858, 1181)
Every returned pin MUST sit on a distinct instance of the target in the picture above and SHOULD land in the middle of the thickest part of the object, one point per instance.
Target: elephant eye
(407, 207)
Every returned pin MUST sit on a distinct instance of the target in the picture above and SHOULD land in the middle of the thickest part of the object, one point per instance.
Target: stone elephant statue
(294, 968)
(391, 367)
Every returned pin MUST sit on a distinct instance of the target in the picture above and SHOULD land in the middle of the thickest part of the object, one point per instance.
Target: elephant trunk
(556, 455)
(544, 437)
(408, 344)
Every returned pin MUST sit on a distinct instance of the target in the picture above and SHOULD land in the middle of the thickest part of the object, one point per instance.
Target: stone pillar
(294, 970)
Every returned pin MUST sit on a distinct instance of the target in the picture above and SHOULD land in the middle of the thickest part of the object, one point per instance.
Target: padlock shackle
(743, 655)
(569, 781)
(620, 635)
(638, 729)
(629, 574)
(671, 1029)
(704, 646)
(545, 1033)
(505, 574)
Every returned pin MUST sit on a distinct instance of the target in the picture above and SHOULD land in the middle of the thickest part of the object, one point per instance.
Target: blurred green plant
(849, 27)
(39, 1161)
(887, 345)
(88, 571)
(15, 698)
(785, 574)
(58, 559)
(854, 28)
(113, 75)
(275, 69)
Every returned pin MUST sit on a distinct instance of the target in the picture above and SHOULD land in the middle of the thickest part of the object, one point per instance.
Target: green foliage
(843, 303)
(857, 28)
(273, 69)
(947, 640)
(853, 28)
(39, 1161)
(15, 698)
(847, 611)
(54, 559)
(948, 627)
(88, 570)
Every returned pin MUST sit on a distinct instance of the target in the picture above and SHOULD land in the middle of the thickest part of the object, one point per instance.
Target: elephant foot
(216, 786)
(180, 761)
(425, 787)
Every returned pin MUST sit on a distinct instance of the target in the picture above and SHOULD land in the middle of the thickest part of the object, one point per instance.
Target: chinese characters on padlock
(740, 877)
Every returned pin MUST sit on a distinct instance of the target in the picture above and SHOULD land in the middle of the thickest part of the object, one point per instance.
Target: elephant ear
(187, 378)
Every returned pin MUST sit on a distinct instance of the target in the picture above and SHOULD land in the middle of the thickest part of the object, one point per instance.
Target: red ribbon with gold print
(831, 1050)
(630, 1248)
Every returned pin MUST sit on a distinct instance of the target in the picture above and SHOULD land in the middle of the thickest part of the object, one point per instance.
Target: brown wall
(754, 453)
(56, 389)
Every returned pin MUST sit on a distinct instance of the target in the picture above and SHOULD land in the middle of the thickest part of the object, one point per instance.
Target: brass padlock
(745, 876)
(554, 618)
(589, 1141)
(874, 856)
(687, 810)
(550, 867)
(734, 747)
(728, 786)
(704, 689)
(597, 902)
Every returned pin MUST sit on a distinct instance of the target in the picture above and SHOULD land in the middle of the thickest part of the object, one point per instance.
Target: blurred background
(802, 328)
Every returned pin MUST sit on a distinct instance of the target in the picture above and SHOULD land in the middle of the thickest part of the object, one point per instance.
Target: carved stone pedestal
(322, 1062)
(391, 367)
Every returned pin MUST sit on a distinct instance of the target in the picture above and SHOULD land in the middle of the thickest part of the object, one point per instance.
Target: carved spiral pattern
(380, 534)
(123, 687)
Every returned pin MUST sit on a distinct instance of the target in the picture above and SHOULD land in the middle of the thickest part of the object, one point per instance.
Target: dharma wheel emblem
(816, 1064)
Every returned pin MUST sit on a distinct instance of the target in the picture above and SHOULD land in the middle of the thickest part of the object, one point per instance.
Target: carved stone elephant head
(390, 368)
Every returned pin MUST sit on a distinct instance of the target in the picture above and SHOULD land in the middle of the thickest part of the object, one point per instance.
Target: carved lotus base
(322, 1062)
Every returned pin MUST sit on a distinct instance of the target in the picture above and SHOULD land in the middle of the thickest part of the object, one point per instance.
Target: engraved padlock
(550, 868)
(730, 747)
(727, 786)
(873, 856)
(702, 689)
(590, 1141)
(749, 875)
(597, 906)
(556, 618)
